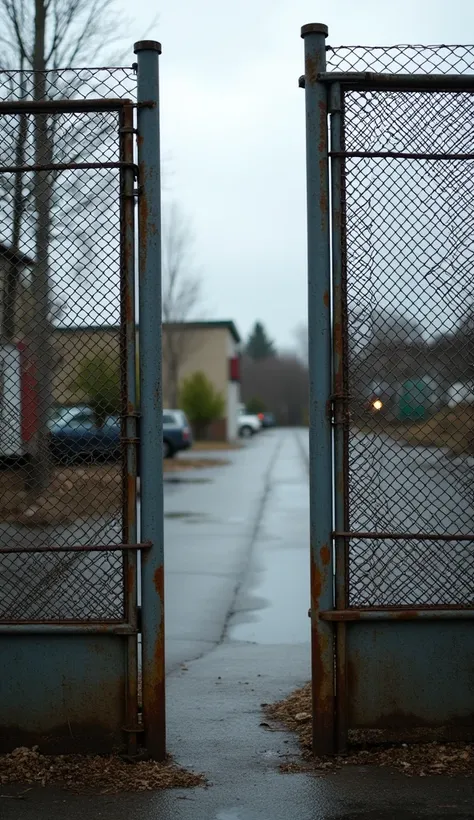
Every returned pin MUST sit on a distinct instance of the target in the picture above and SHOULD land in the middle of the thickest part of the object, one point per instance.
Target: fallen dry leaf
(417, 758)
(105, 774)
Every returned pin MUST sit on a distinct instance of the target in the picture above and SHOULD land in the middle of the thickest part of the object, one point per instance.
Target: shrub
(99, 381)
(201, 402)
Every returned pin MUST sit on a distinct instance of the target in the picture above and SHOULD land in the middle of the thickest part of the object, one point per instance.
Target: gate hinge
(339, 408)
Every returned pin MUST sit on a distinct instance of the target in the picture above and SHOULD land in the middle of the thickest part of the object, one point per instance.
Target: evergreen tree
(259, 345)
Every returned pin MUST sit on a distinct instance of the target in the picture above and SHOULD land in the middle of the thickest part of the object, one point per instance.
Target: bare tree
(182, 294)
(280, 383)
(39, 37)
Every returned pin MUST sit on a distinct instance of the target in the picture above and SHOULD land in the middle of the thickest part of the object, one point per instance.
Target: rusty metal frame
(373, 81)
(126, 629)
(433, 613)
(320, 405)
(151, 399)
(64, 166)
(78, 548)
(332, 672)
(71, 106)
(404, 536)
(396, 155)
(128, 359)
(339, 401)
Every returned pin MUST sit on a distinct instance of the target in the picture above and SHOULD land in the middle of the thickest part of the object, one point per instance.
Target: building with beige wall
(212, 347)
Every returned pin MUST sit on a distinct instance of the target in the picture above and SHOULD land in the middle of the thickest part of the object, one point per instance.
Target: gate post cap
(314, 28)
(147, 45)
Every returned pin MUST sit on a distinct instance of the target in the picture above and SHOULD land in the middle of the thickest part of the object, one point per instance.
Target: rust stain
(316, 587)
(310, 69)
(323, 128)
(407, 615)
(143, 218)
(340, 483)
(158, 580)
(322, 692)
(131, 493)
(130, 581)
(326, 298)
(338, 345)
(358, 615)
(323, 197)
(129, 314)
(154, 682)
(325, 554)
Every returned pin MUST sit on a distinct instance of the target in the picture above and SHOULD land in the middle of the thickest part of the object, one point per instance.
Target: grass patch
(452, 429)
(77, 492)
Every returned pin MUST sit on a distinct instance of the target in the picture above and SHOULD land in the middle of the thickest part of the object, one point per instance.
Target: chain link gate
(70, 176)
(390, 257)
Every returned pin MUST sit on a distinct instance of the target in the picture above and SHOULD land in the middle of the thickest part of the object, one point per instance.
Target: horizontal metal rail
(431, 614)
(67, 628)
(396, 155)
(405, 536)
(145, 545)
(65, 166)
(62, 106)
(372, 80)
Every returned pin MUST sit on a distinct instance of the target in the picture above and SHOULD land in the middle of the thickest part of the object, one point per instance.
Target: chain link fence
(402, 59)
(409, 261)
(62, 315)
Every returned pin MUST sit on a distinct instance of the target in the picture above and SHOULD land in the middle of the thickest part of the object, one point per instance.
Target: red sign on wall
(234, 369)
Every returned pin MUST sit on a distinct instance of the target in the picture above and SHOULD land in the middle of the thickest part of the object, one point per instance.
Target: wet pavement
(237, 599)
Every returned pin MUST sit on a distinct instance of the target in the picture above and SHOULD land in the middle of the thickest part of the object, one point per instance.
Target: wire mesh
(61, 380)
(402, 59)
(409, 261)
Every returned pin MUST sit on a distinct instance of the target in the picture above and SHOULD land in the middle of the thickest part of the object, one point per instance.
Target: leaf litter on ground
(412, 759)
(105, 774)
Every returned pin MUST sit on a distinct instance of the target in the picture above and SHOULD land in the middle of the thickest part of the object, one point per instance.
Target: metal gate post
(340, 406)
(129, 412)
(151, 452)
(319, 334)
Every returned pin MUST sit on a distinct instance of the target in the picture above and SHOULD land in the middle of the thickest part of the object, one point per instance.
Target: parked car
(267, 420)
(177, 435)
(248, 424)
(75, 434)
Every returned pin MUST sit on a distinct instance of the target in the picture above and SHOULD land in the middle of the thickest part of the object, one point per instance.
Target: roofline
(15, 256)
(225, 324)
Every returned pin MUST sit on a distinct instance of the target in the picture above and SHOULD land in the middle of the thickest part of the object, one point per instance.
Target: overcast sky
(233, 132)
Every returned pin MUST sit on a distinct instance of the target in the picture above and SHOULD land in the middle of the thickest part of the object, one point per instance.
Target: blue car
(177, 434)
(75, 435)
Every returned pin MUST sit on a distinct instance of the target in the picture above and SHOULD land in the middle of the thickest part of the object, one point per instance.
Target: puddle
(185, 480)
(191, 517)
